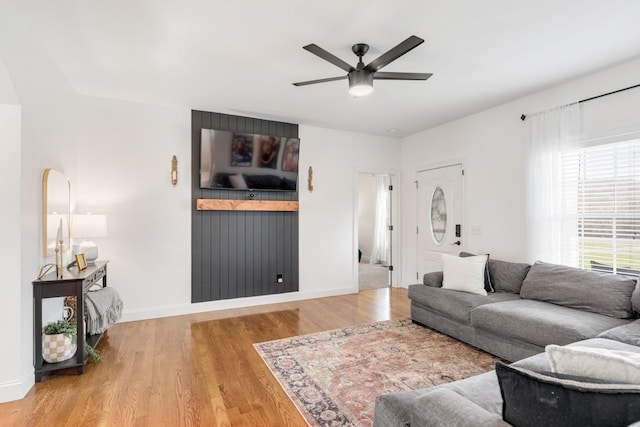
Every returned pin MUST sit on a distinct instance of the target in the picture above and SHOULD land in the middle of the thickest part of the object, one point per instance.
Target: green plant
(70, 330)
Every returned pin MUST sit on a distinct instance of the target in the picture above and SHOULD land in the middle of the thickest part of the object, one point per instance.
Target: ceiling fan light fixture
(360, 83)
(361, 76)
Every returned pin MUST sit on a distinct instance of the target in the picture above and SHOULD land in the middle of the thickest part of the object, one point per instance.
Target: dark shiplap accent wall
(239, 254)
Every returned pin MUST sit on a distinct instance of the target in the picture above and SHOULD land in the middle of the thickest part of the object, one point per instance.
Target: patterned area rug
(334, 377)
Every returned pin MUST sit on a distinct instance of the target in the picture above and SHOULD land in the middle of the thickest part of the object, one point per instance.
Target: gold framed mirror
(56, 212)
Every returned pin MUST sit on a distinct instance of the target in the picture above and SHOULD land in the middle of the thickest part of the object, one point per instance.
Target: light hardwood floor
(198, 369)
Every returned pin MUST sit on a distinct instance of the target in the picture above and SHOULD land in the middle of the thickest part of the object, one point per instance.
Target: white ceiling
(241, 56)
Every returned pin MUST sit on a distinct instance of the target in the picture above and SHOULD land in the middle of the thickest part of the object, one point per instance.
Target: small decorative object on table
(81, 261)
(58, 251)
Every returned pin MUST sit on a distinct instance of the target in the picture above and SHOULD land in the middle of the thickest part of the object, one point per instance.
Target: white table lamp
(85, 227)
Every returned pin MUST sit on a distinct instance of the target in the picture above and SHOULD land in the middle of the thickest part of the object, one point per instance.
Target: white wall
(11, 382)
(8, 95)
(327, 247)
(492, 146)
(47, 139)
(124, 159)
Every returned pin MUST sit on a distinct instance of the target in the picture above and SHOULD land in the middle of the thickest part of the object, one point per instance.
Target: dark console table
(73, 283)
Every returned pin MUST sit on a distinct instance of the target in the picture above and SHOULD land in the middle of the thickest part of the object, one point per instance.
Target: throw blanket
(103, 308)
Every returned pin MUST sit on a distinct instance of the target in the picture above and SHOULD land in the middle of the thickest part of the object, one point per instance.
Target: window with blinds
(601, 200)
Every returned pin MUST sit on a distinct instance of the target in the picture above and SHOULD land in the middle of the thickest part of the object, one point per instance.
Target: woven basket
(58, 347)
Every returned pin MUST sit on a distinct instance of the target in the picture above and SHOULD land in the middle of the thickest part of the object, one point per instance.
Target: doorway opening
(375, 231)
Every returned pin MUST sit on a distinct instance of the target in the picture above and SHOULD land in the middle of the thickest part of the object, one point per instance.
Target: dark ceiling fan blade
(312, 82)
(394, 53)
(317, 50)
(401, 76)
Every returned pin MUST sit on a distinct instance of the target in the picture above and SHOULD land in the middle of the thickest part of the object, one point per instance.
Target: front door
(439, 216)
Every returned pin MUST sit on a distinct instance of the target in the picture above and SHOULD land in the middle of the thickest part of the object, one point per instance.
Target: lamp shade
(360, 83)
(89, 225)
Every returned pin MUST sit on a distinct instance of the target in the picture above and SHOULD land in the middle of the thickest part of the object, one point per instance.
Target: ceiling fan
(361, 76)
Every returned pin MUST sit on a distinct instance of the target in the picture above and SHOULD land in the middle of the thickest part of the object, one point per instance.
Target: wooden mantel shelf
(246, 205)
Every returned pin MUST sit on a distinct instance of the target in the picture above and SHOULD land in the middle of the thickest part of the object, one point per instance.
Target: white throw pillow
(464, 274)
(238, 181)
(598, 363)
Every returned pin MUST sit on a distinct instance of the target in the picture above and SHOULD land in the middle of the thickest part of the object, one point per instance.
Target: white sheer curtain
(380, 246)
(549, 222)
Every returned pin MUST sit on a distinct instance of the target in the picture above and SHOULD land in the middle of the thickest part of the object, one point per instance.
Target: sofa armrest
(433, 279)
(446, 408)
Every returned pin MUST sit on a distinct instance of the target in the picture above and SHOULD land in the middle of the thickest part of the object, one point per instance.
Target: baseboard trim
(201, 307)
(16, 389)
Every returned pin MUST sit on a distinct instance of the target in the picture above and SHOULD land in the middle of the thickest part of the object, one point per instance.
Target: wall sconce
(310, 180)
(174, 171)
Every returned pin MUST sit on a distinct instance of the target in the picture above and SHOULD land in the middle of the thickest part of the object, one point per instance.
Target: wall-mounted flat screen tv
(247, 161)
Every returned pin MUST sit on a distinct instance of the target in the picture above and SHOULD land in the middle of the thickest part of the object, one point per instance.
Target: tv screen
(247, 161)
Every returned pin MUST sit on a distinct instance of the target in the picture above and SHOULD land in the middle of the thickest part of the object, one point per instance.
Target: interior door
(375, 230)
(439, 216)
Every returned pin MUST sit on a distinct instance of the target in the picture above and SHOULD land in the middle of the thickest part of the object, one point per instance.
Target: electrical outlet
(279, 278)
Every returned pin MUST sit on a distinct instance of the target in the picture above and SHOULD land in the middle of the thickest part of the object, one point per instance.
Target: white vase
(58, 347)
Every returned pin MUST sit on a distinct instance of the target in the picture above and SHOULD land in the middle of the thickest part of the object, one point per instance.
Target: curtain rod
(523, 117)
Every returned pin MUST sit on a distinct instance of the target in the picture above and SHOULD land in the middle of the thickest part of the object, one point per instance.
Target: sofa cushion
(464, 274)
(543, 399)
(480, 389)
(539, 322)
(237, 181)
(629, 333)
(597, 363)
(393, 409)
(507, 276)
(445, 408)
(601, 293)
(454, 304)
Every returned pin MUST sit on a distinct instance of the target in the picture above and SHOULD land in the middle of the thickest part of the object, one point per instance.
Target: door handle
(456, 243)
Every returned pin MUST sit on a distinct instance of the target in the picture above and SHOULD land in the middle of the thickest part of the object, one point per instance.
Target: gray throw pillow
(547, 399)
(433, 279)
(507, 276)
(487, 277)
(635, 299)
(601, 293)
(606, 268)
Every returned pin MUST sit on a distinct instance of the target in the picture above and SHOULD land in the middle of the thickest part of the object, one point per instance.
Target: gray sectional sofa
(532, 307)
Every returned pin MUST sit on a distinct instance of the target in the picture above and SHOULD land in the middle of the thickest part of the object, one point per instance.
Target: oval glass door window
(438, 215)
